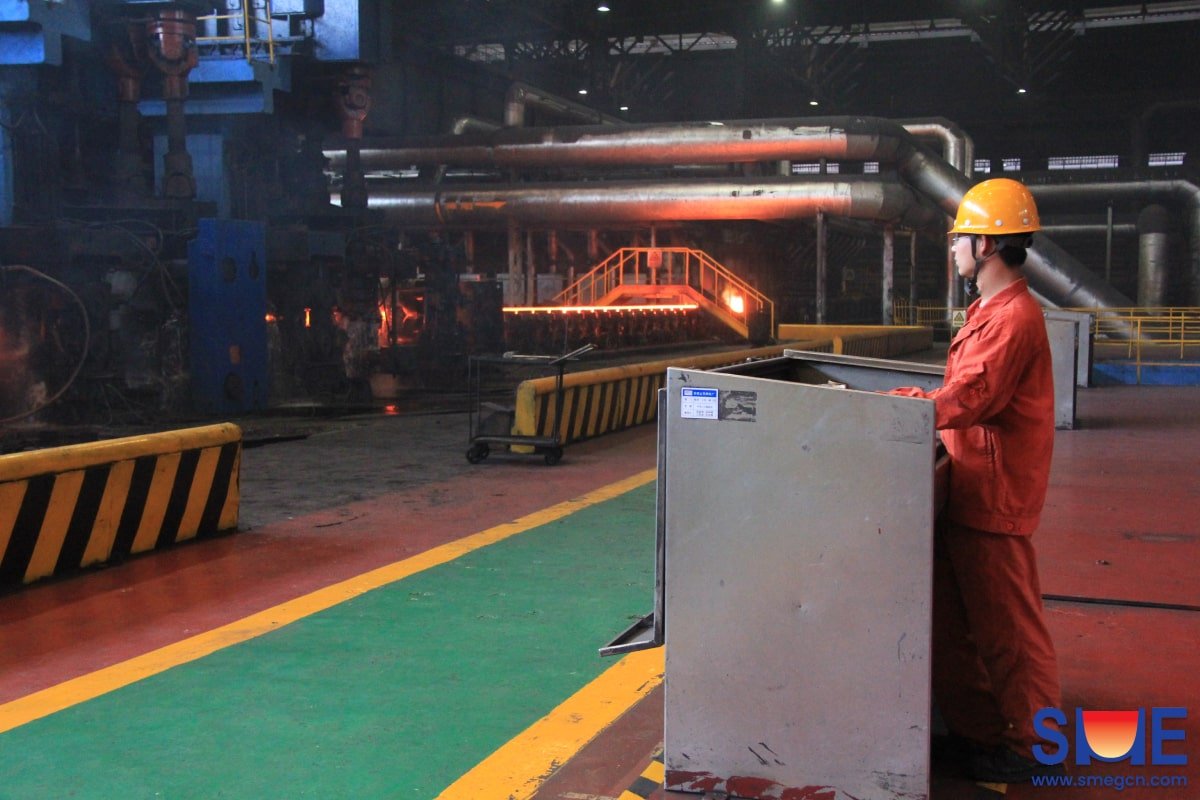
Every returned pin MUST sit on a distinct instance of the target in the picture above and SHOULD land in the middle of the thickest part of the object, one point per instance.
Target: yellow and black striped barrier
(64, 508)
(649, 782)
(613, 399)
(607, 400)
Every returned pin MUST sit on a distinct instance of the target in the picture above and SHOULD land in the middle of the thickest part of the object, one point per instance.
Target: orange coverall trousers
(987, 610)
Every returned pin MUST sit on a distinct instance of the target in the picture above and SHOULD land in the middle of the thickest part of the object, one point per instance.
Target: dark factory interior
(735, 309)
(221, 207)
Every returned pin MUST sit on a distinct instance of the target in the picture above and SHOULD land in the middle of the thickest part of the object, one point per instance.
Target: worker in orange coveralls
(993, 661)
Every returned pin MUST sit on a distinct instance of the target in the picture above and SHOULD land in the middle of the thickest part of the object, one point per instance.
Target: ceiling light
(603, 7)
(814, 102)
(624, 108)
(1021, 90)
(583, 91)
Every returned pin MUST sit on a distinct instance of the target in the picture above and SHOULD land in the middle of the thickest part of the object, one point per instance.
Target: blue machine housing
(227, 305)
(31, 31)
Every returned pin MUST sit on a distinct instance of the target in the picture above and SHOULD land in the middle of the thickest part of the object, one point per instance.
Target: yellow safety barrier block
(602, 401)
(63, 508)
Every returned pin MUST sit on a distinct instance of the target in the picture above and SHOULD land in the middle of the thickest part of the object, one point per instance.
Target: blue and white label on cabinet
(696, 403)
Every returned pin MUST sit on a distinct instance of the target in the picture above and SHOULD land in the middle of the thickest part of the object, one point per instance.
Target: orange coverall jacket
(996, 413)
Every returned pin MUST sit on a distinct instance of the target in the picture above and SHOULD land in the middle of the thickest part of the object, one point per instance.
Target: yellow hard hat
(997, 207)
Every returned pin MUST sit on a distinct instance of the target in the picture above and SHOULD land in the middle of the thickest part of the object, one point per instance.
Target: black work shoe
(1002, 765)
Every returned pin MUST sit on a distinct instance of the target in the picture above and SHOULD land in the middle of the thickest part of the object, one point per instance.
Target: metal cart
(491, 423)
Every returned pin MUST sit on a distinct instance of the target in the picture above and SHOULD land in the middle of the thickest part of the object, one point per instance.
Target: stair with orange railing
(661, 275)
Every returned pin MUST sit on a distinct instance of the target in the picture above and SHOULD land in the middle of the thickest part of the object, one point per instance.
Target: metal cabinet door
(1063, 334)
(798, 588)
(648, 632)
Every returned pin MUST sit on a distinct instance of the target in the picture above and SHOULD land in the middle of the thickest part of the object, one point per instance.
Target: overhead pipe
(1185, 193)
(611, 202)
(839, 138)
(1050, 270)
(958, 149)
(938, 179)
(468, 123)
(459, 127)
(1089, 229)
(853, 139)
(521, 95)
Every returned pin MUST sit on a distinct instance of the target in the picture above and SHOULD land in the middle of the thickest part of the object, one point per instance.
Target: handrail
(1146, 335)
(669, 266)
(248, 42)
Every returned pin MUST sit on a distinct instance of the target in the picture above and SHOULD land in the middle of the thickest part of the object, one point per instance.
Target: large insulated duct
(958, 149)
(614, 202)
(1154, 224)
(852, 139)
(840, 138)
(1184, 193)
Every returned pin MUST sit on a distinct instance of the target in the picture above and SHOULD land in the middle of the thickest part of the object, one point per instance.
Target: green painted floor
(393, 694)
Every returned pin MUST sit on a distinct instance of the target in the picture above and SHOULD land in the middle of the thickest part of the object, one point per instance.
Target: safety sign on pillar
(958, 319)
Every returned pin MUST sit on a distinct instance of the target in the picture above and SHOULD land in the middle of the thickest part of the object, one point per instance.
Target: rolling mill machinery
(227, 206)
(166, 238)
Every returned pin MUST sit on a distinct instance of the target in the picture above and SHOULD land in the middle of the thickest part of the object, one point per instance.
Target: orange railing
(669, 267)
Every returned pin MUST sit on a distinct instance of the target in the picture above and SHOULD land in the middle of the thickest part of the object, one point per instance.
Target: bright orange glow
(308, 317)
(736, 304)
(580, 309)
(271, 318)
(385, 327)
(401, 317)
(391, 410)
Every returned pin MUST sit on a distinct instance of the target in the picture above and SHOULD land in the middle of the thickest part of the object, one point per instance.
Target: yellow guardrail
(1147, 336)
(247, 19)
(925, 313)
(1174, 328)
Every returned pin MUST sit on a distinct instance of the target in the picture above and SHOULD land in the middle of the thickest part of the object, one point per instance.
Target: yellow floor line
(518, 768)
(86, 687)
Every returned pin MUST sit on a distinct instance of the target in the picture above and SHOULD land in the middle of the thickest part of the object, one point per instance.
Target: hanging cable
(87, 338)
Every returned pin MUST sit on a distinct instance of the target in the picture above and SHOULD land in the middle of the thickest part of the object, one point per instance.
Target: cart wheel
(477, 452)
(553, 456)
